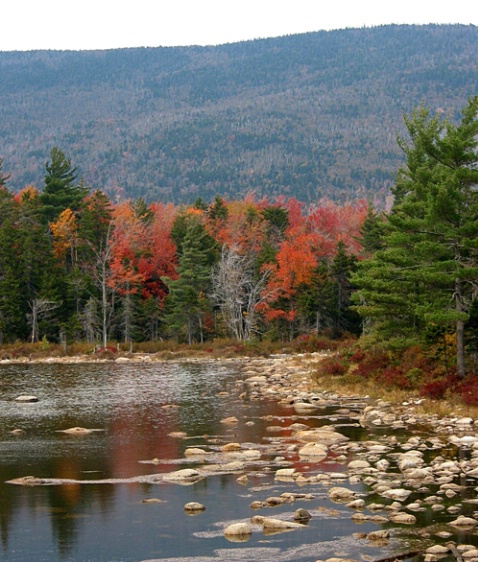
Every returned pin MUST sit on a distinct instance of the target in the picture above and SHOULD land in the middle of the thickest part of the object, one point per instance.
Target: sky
(106, 24)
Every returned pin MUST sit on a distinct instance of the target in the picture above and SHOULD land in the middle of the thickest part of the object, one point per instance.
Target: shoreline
(409, 411)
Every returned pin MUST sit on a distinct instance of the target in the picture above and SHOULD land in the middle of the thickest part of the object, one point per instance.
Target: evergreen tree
(11, 320)
(428, 270)
(344, 318)
(62, 190)
(188, 302)
(372, 232)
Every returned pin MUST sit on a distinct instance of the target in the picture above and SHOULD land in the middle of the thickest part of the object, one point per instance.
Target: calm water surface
(136, 407)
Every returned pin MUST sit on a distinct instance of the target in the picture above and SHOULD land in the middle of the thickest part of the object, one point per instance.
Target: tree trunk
(460, 332)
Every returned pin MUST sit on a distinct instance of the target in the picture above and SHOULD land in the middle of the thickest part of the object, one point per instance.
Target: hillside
(312, 115)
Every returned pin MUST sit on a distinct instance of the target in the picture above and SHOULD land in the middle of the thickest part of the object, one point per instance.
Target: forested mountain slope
(312, 115)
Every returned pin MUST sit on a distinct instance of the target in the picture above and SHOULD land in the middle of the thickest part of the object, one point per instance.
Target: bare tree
(39, 307)
(90, 320)
(238, 288)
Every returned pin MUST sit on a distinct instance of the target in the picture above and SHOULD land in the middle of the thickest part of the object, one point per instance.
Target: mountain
(312, 115)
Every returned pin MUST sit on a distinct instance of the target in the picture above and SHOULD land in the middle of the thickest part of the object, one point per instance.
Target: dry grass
(351, 385)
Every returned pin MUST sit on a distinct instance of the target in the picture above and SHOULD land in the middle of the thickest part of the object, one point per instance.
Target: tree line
(77, 266)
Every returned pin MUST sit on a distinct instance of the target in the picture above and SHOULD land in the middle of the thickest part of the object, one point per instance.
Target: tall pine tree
(427, 272)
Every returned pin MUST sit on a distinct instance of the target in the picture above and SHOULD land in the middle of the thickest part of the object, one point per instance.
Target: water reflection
(138, 408)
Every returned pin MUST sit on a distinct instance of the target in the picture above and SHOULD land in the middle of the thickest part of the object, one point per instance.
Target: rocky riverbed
(415, 478)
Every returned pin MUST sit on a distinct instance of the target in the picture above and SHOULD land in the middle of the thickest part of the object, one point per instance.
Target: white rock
(399, 494)
(404, 518)
(338, 493)
(464, 521)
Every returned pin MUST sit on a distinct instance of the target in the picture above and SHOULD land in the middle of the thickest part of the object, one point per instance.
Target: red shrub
(358, 356)
(333, 368)
(437, 389)
(372, 365)
(469, 391)
(393, 376)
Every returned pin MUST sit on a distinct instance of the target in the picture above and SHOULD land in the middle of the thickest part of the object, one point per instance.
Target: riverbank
(307, 368)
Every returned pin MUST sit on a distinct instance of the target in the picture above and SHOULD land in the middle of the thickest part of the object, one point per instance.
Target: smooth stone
(399, 494)
(323, 436)
(302, 514)
(184, 475)
(26, 398)
(270, 523)
(378, 535)
(76, 431)
(194, 507)
(338, 493)
(238, 532)
(229, 447)
(464, 521)
(195, 452)
(404, 518)
(314, 450)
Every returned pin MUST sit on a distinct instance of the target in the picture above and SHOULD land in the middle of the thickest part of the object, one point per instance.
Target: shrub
(438, 388)
(333, 368)
(393, 376)
(469, 391)
(414, 377)
(358, 356)
(372, 364)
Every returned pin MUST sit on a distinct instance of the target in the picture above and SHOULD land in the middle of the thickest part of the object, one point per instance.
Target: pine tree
(427, 272)
(11, 308)
(188, 302)
(62, 189)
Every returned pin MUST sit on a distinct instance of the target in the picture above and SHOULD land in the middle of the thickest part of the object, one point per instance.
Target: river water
(139, 409)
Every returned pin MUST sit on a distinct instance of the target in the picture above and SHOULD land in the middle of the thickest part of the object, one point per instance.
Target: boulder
(194, 507)
(399, 494)
(464, 521)
(26, 398)
(338, 493)
(403, 518)
(302, 514)
(238, 532)
(313, 451)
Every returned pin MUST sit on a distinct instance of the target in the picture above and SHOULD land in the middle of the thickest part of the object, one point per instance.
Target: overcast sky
(106, 24)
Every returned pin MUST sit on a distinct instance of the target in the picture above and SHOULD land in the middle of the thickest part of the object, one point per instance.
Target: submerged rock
(184, 475)
(27, 481)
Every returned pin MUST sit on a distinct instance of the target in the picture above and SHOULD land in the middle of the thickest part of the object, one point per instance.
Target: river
(145, 416)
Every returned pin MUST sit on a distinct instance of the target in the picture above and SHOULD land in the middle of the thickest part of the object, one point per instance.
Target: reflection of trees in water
(70, 505)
